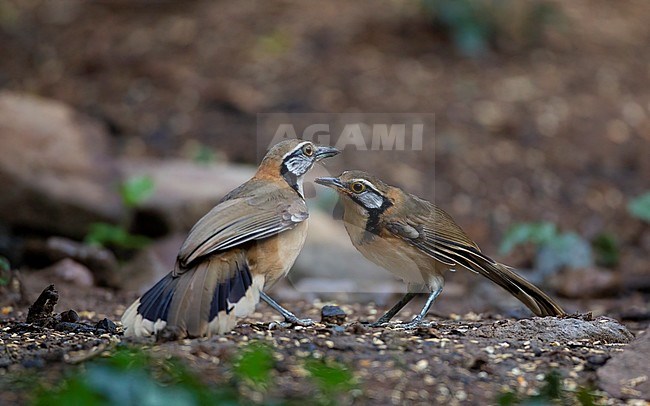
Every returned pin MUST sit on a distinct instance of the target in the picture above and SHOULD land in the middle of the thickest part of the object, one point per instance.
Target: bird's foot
(379, 323)
(299, 322)
(413, 324)
(279, 325)
(290, 322)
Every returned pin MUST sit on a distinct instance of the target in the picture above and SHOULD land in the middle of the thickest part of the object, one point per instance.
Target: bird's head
(293, 159)
(362, 189)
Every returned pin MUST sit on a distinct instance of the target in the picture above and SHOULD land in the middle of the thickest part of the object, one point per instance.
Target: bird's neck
(294, 181)
(355, 218)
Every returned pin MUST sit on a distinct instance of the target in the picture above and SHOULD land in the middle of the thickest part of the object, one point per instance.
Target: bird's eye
(308, 150)
(357, 187)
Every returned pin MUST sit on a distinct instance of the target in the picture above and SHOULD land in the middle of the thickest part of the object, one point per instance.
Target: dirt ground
(457, 359)
(557, 132)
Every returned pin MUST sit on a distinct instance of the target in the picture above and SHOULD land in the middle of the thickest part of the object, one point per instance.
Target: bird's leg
(393, 311)
(289, 317)
(418, 319)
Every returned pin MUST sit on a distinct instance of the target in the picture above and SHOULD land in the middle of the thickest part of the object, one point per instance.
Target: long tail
(202, 301)
(533, 297)
(471, 258)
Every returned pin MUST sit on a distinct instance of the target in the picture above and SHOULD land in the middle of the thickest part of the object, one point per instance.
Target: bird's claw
(408, 326)
(290, 323)
(278, 325)
(300, 322)
(413, 324)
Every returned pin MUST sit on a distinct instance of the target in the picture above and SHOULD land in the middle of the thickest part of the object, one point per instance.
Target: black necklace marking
(372, 224)
(291, 178)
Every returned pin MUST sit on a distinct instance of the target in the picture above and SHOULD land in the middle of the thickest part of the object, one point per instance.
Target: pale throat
(299, 182)
(354, 214)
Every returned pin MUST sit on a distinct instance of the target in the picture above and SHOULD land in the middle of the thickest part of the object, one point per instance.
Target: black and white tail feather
(223, 297)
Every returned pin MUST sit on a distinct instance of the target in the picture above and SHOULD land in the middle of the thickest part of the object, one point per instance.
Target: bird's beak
(334, 183)
(323, 151)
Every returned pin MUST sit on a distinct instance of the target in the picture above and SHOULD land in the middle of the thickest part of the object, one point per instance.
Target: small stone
(421, 365)
(69, 316)
(338, 329)
(597, 360)
(332, 315)
(106, 324)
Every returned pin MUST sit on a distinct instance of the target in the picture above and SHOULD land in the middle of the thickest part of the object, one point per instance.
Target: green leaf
(330, 377)
(134, 191)
(5, 267)
(522, 233)
(553, 387)
(508, 399)
(255, 364)
(104, 234)
(640, 207)
(4, 264)
(606, 249)
(133, 377)
(552, 392)
(204, 155)
(565, 250)
(73, 391)
(586, 397)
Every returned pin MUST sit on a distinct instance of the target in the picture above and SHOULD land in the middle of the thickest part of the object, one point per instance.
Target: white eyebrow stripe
(299, 146)
(368, 184)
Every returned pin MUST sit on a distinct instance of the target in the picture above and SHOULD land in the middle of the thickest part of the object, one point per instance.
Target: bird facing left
(241, 247)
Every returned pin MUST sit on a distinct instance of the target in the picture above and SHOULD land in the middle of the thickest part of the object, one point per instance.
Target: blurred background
(122, 122)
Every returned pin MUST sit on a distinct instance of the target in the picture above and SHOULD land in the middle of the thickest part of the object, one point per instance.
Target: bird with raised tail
(246, 243)
(418, 242)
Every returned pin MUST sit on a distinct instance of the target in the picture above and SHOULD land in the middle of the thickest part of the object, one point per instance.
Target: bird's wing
(240, 220)
(436, 234)
(449, 245)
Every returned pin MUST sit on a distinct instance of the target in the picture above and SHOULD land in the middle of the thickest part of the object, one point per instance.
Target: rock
(627, 374)
(41, 314)
(57, 166)
(184, 190)
(102, 262)
(73, 272)
(332, 315)
(69, 316)
(106, 324)
(554, 329)
(41, 311)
